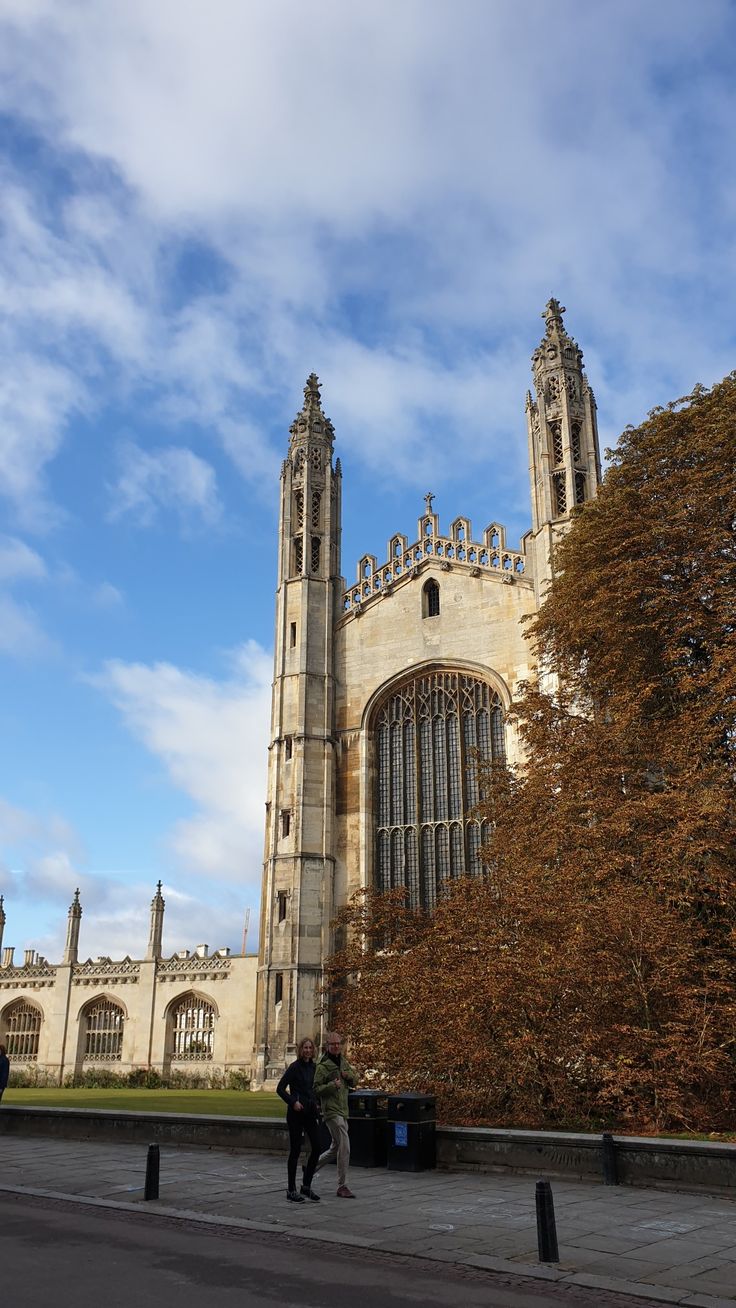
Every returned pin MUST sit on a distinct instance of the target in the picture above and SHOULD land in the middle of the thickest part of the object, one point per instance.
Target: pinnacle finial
(552, 314)
(311, 390)
(428, 500)
(311, 414)
(76, 895)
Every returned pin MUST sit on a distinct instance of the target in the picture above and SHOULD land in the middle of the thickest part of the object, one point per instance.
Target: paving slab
(654, 1245)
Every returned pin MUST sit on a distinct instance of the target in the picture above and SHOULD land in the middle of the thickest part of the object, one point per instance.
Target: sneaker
(295, 1197)
(309, 1193)
(344, 1193)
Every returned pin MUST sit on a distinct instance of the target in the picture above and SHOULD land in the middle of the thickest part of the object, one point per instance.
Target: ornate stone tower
(297, 899)
(564, 458)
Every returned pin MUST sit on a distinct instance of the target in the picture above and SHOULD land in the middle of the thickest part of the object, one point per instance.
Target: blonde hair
(307, 1040)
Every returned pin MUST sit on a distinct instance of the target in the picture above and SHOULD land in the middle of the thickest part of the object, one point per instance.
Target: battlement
(490, 556)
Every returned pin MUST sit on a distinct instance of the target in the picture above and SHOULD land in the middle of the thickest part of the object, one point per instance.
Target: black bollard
(546, 1226)
(610, 1165)
(152, 1168)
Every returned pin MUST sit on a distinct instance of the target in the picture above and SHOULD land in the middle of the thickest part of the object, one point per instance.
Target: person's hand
(298, 1107)
(337, 1082)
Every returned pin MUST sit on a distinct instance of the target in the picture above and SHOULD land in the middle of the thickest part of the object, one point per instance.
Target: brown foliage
(591, 978)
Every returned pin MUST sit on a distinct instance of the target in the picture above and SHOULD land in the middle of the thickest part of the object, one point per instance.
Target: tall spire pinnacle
(2, 922)
(310, 420)
(74, 917)
(552, 315)
(155, 933)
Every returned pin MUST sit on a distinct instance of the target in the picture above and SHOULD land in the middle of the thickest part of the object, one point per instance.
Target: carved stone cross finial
(428, 501)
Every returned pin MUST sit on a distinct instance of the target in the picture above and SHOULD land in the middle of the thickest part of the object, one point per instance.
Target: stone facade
(385, 689)
(191, 1012)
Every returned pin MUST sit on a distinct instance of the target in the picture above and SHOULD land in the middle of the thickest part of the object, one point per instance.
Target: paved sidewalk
(662, 1246)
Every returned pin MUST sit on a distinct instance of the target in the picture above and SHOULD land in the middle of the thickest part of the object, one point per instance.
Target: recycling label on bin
(401, 1133)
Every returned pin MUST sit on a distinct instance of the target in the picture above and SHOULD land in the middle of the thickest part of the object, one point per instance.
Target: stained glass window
(427, 734)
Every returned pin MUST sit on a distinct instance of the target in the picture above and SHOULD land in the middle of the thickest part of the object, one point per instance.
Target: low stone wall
(211, 1130)
(671, 1164)
(640, 1160)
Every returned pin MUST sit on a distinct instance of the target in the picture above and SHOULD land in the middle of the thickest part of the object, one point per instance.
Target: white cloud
(450, 169)
(18, 561)
(106, 596)
(21, 632)
(170, 478)
(211, 738)
(42, 862)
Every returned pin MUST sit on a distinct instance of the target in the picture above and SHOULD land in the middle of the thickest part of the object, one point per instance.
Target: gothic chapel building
(384, 689)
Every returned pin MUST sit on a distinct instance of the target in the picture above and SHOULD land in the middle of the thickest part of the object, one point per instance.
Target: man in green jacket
(332, 1079)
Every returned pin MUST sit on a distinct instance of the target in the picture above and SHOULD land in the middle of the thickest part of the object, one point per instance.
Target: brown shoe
(344, 1193)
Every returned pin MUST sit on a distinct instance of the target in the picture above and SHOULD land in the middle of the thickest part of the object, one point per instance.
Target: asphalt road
(73, 1256)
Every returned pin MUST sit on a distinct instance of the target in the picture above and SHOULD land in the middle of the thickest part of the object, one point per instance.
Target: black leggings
(300, 1124)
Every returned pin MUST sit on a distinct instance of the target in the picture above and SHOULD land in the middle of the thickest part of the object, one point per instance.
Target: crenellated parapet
(106, 970)
(489, 557)
(195, 967)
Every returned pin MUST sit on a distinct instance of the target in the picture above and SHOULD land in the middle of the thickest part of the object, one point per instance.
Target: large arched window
(22, 1027)
(428, 734)
(193, 1025)
(104, 1022)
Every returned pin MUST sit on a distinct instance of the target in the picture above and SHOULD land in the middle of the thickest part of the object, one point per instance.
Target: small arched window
(193, 1022)
(104, 1032)
(431, 600)
(22, 1023)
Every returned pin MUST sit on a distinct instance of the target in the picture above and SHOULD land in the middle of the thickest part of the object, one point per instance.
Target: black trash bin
(367, 1128)
(411, 1133)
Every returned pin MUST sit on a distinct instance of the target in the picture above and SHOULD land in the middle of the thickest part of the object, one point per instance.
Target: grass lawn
(228, 1103)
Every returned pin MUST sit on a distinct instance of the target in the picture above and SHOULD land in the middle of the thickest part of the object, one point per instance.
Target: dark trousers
(301, 1124)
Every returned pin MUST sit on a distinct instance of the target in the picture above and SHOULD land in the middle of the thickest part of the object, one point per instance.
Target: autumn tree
(591, 976)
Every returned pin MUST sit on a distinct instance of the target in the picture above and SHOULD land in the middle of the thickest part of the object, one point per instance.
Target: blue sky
(199, 206)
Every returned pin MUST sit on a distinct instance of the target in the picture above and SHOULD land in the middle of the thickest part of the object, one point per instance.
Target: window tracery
(555, 429)
(193, 1023)
(22, 1024)
(298, 555)
(558, 482)
(427, 735)
(576, 450)
(104, 1023)
(316, 501)
(316, 551)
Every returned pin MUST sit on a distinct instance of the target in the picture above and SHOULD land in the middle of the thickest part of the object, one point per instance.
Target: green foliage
(201, 1078)
(30, 1075)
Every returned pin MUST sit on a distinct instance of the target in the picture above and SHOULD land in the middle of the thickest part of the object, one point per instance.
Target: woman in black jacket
(302, 1115)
